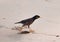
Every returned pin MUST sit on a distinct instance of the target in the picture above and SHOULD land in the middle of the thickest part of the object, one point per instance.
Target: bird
(29, 21)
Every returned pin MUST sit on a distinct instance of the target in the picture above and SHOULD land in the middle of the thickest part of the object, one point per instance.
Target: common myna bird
(29, 21)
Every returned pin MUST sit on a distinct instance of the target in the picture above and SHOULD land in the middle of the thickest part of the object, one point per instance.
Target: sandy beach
(47, 28)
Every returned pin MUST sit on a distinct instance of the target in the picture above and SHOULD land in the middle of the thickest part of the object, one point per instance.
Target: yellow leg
(30, 30)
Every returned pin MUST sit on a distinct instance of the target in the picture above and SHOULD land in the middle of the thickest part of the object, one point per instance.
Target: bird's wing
(26, 20)
(23, 21)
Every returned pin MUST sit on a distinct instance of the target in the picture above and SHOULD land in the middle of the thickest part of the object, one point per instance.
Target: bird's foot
(30, 30)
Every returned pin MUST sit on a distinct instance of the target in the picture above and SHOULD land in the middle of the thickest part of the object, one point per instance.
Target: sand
(47, 28)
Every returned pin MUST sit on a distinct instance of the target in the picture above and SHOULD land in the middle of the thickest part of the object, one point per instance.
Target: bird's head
(36, 17)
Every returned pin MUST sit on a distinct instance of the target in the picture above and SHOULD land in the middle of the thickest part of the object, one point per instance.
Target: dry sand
(46, 28)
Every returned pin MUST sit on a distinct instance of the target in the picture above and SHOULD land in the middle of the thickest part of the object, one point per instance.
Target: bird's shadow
(24, 32)
(18, 36)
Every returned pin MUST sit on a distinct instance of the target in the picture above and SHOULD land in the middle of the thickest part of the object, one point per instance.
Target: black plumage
(29, 21)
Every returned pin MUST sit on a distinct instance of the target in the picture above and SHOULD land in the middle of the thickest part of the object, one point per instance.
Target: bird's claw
(30, 30)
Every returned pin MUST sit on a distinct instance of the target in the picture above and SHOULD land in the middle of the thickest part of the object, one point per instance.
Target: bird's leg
(28, 26)
(20, 28)
(25, 26)
(30, 30)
